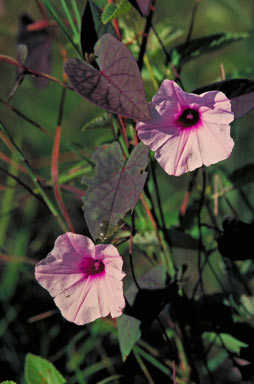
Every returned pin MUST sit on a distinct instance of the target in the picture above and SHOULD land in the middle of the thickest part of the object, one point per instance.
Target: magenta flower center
(188, 118)
(92, 267)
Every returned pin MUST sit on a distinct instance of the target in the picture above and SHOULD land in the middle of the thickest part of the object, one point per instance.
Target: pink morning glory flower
(187, 130)
(85, 280)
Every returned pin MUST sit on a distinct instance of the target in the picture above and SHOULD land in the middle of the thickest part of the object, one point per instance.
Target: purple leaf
(114, 189)
(129, 327)
(117, 86)
(141, 5)
(243, 104)
(239, 91)
(39, 48)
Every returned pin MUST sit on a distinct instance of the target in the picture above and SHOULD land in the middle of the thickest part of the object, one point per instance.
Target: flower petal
(183, 148)
(158, 130)
(60, 268)
(180, 154)
(91, 299)
(79, 303)
(112, 261)
(82, 297)
(216, 142)
(82, 244)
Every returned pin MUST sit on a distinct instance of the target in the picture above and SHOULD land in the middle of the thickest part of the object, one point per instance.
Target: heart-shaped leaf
(239, 91)
(41, 371)
(197, 47)
(92, 27)
(129, 331)
(141, 6)
(117, 86)
(115, 187)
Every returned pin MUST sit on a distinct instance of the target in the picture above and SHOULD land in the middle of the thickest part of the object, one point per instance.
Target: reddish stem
(185, 203)
(12, 162)
(42, 9)
(123, 131)
(174, 371)
(54, 174)
(12, 61)
(117, 29)
(149, 213)
(115, 24)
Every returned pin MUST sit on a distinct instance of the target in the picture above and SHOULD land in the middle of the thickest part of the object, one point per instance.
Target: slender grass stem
(14, 148)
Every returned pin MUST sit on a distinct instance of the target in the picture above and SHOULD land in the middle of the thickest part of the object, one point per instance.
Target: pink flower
(187, 130)
(85, 280)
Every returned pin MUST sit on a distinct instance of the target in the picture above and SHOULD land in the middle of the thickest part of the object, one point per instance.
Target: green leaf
(243, 176)
(111, 11)
(197, 47)
(129, 327)
(128, 334)
(230, 342)
(100, 121)
(8, 382)
(41, 371)
(216, 360)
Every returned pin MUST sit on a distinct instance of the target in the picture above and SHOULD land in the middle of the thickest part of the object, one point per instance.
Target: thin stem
(54, 166)
(29, 71)
(160, 42)
(42, 9)
(230, 206)
(193, 15)
(188, 192)
(150, 70)
(12, 146)
(200, 240)
(123, 131)
(23, 184)
(69, 145)
(145, 36)
(66, 10)
(61, 25)
(158, 195)
(130, 251)
(15, 110)
(115, 24)
(76, 13)
(246, 200)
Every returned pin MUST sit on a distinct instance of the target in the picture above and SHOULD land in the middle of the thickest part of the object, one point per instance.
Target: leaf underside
(141, 6)
(114, 189)
(117, 86)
